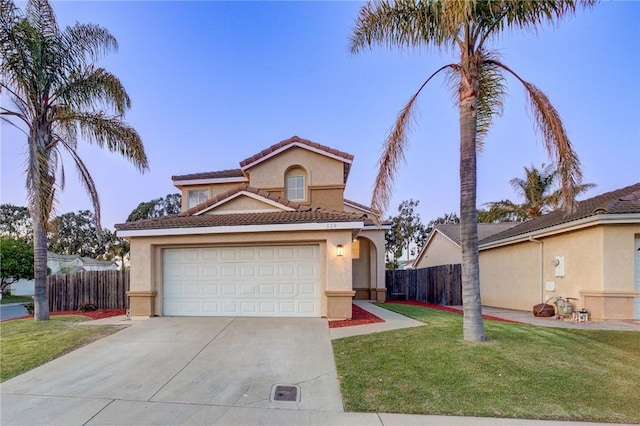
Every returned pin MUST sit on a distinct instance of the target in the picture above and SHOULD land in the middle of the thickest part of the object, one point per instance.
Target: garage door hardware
(285, 393)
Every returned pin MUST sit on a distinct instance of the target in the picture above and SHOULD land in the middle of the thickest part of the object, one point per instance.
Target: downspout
(533, 240)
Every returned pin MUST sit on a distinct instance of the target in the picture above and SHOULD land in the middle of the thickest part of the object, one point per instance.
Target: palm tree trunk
(473, 326)
(41, 302)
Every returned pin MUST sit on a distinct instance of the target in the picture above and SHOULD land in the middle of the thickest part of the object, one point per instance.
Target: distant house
(63, 264)
(443, 244)
(591, 254)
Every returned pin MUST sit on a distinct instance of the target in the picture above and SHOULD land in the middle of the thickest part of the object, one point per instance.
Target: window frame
(299, 187)
(205, 192)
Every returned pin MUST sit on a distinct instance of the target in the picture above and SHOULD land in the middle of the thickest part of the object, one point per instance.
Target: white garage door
(281, 281)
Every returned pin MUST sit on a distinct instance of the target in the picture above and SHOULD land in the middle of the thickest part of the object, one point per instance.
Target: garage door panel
(247, 281)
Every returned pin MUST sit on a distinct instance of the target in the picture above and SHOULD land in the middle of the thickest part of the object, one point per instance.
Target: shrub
(29, 307)
(87, 307)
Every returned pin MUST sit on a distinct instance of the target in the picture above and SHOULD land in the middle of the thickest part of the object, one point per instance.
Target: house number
(331, 226)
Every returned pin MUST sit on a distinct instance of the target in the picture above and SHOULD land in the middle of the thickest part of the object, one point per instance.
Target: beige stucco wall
(214, 190)
(243, 203)
(336, 272)
(510, 276)
(440, 251)
(598, 263)
(322, 170)
(330, 198)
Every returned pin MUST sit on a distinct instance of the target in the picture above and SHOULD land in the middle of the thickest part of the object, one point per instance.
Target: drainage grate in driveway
(285, 393)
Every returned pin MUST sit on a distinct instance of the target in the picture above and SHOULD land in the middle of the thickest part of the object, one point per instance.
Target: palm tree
(539, 193)
(466, 26)
(58, 96)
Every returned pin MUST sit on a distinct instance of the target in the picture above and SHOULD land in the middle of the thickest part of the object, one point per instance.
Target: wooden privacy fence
(105, 289)
(441, 285)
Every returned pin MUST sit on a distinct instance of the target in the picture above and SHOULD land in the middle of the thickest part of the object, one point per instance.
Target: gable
(320, 170)
(246, 202)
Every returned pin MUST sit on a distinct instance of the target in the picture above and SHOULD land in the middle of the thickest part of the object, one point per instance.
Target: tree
(158, 207)
(466, 27)
(76, 233)
(406, 229)
(447, 219)
(540, 194)
(16, 258)
(58, 96)
(15, 222)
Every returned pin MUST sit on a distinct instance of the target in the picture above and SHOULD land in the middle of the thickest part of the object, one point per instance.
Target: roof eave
(600, 219)
(309, 226)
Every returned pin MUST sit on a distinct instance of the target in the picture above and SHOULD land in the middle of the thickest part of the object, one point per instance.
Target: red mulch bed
(360, 317)
(447, 309)
(97, 314)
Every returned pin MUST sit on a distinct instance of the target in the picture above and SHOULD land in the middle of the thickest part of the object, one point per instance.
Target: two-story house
(274, 237)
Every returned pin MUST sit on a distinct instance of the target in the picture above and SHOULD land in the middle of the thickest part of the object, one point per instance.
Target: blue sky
(213, 83)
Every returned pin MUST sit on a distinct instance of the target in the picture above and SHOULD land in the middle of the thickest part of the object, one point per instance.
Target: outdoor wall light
(339, 250)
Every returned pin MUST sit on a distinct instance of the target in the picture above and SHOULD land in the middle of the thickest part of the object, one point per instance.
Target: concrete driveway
(172, 370)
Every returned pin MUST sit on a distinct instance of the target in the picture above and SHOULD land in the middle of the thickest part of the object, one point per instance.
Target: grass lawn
(522, 371)
(26, 344)
(7, 298)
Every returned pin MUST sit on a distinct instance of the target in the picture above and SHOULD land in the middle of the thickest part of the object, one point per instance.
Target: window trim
(302, 188)
(206, 192)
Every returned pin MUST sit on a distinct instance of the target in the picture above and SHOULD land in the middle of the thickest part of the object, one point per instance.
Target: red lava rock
(447, 309)
(97, 314)
(360, 317)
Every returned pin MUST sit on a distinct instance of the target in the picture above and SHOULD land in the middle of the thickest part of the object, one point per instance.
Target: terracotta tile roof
(291, 140)
(360, 206)
(485, 230)
(620, 201)
(242, 187)
(241, 219)
(231, 173)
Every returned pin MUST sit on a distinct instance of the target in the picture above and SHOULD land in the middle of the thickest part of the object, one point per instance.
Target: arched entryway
(364, 266)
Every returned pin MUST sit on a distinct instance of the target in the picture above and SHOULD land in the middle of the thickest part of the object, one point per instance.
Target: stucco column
(141, 292)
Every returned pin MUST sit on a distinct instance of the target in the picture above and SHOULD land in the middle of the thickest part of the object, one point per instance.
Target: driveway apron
(180, 363)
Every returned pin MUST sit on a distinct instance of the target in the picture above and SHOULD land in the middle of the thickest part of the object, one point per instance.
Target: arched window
(296, 184)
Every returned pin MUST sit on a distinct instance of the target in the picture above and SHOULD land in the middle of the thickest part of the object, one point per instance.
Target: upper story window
(197, 196)
(295, 187)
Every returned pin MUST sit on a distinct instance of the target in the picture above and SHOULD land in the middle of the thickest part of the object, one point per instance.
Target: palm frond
(555, 138)
(86, 180)
(111, 133)
(93, 88)
(393, 151)
(40, 14)
(497, 15)
(89, 41)
(404, 23)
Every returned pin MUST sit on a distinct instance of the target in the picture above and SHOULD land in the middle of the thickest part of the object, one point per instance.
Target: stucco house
(274, 237)
(443, 243)
(592, 255)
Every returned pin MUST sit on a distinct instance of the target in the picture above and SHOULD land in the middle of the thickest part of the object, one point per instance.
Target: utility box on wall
(558, 263)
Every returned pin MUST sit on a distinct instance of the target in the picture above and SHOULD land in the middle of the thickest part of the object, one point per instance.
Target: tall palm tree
(539, 194)
(57, 97)
(467, 27)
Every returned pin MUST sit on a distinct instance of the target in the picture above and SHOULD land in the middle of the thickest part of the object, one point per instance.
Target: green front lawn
(8, 298)
(26, 344)
(522, 371)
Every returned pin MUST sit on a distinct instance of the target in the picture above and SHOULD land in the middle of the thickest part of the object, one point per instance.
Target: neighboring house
(71, 263)
(592, 255)
(63, 264)
(443, 243)
(274, 237)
